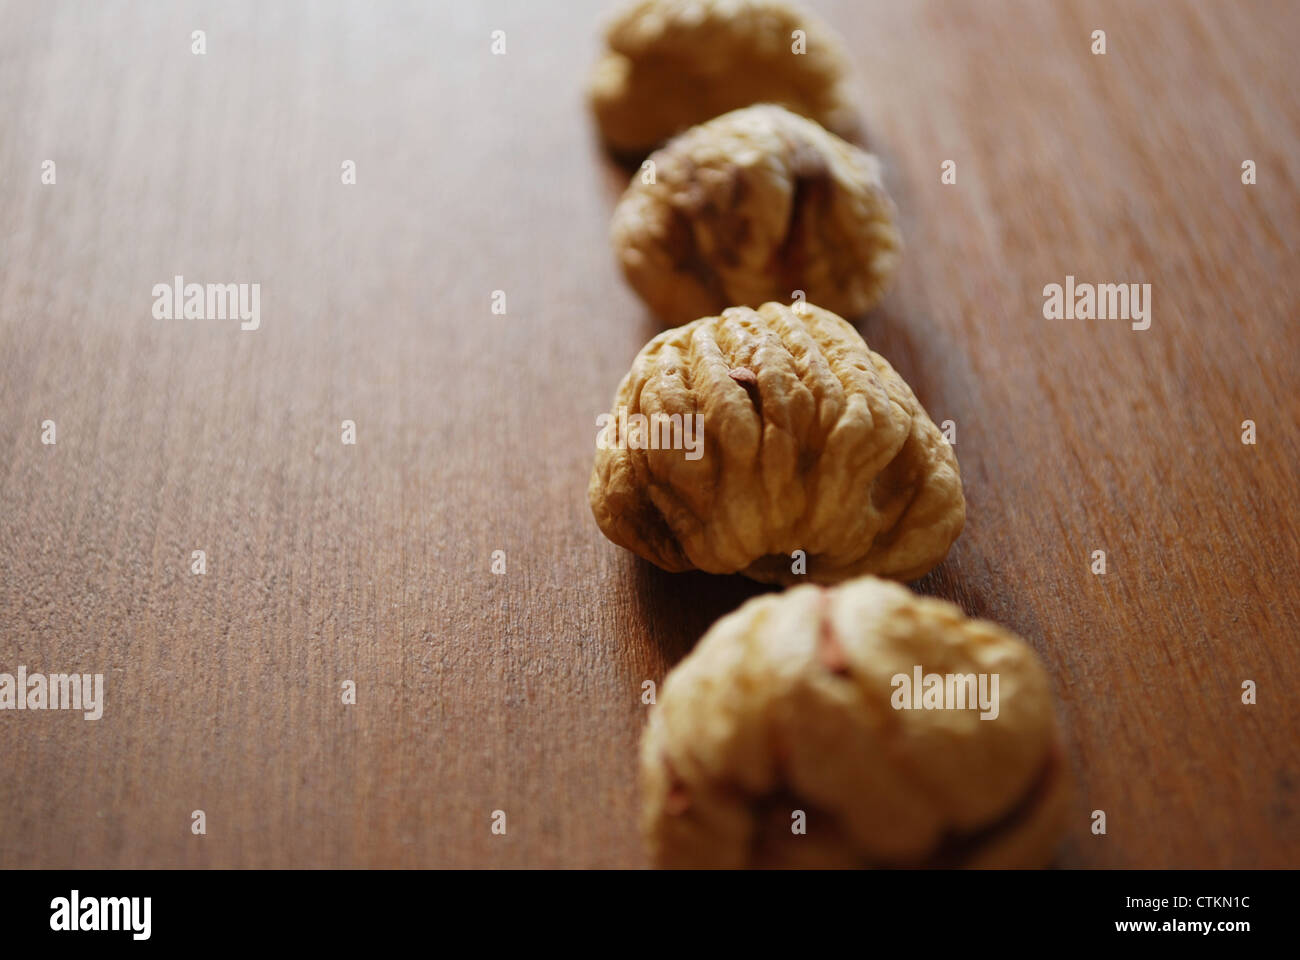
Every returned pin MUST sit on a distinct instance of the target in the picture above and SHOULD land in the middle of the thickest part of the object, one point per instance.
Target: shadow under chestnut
(677, 608)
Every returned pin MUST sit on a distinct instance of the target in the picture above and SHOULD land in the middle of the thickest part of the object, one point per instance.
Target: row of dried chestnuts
(813, 448)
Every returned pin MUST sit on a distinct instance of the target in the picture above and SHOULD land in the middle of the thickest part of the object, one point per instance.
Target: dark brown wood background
(478, 173)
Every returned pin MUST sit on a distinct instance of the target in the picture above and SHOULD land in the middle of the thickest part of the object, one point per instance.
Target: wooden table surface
(372, 562)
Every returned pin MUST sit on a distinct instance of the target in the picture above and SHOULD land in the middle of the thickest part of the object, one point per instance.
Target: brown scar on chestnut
(678, 799)
(829, 649)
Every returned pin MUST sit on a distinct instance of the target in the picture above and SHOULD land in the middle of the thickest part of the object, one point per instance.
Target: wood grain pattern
(477, 173)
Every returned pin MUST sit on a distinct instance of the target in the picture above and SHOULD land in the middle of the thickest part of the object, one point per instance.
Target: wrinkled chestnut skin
(751, 207)
(671, 64)
(787, 704)
(811, 442)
